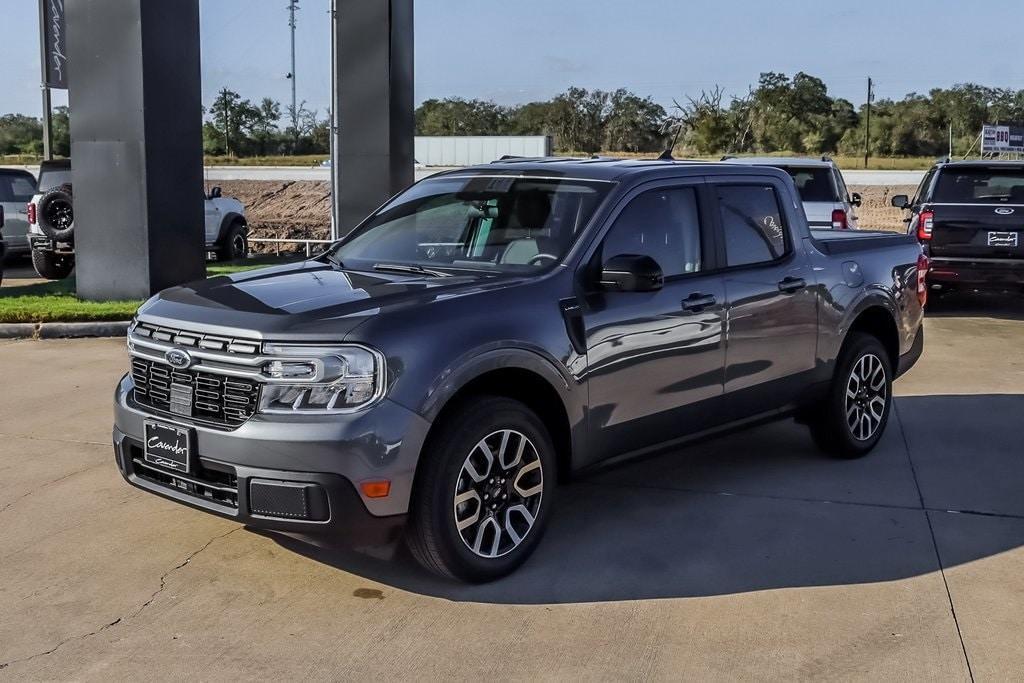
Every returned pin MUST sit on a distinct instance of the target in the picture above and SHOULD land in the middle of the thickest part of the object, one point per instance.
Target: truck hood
(303, 301)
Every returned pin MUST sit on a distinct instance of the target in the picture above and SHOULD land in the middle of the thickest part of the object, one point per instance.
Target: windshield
(500, 224)
(813, 184)
(980, 185)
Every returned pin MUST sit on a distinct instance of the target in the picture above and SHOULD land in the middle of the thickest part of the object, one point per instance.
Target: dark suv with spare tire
(493, 330)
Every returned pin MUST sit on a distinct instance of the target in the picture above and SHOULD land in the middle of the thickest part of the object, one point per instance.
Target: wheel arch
(520, 375)
(878, 320)
(227, 221)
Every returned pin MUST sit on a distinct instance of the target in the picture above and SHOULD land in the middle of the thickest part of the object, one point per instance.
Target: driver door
(656, 360)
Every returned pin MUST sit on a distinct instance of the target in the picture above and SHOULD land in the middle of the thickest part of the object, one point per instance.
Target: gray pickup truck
(493, 330)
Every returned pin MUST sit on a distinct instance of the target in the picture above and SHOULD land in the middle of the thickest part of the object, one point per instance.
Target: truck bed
(833, 242)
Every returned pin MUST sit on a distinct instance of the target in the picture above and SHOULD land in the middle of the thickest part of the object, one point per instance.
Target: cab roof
(599, 168)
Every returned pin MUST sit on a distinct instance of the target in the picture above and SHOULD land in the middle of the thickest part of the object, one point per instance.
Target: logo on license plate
(1002, 239)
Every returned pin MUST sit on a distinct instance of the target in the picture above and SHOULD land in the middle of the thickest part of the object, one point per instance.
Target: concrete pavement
(748, 557)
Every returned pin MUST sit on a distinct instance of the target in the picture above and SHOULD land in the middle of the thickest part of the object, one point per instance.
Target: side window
(751, 223)
(844, 194)
(922, 189)
(662, 224)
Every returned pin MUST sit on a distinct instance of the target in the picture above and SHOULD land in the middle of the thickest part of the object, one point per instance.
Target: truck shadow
(762, 510)
(1003, 306)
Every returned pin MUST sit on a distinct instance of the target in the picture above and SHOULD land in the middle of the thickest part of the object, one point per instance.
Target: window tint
(980, 185)
(16, 187)
(752, 224)
(922, 189)
(662, 224)
(814, 183)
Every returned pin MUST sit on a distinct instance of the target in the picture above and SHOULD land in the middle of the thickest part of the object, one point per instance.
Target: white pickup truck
(52, 223)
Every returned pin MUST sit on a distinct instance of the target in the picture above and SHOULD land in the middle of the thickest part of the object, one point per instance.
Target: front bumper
(980, 273)
(331, 454)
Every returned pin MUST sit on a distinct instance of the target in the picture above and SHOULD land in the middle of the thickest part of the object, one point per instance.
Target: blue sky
(521, 50)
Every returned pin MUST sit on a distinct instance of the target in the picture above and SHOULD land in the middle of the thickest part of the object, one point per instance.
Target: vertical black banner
(54, 44)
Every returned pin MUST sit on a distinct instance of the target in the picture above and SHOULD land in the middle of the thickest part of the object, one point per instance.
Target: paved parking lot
(747, 557)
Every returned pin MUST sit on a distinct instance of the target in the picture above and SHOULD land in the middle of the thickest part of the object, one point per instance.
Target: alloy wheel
(866, 397)
(498, 493)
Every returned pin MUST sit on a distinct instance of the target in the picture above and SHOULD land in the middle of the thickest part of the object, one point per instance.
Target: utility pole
(293, 6)
(227, 120)
(867, 124)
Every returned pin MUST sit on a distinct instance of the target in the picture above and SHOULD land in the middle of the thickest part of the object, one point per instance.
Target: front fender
(226, 222)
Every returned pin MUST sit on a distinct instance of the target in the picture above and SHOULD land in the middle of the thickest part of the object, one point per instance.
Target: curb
(63, 330)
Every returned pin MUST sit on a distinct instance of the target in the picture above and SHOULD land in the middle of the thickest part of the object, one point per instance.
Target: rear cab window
(980, 185)
(16, 187)
(753, 226)
(814, 183)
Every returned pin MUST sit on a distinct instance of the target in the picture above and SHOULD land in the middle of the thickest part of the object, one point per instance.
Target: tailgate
(978, 232)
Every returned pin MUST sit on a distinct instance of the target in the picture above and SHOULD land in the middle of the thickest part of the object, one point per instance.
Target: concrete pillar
(136, 145)
(374, 101)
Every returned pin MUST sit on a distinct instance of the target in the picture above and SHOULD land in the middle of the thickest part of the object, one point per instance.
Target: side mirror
(856, 199)
(631, 273)
(215, 192)
(900, 201)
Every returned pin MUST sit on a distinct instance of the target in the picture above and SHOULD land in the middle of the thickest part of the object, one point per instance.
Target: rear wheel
(484, 493)
(856, 409)
(51, 265)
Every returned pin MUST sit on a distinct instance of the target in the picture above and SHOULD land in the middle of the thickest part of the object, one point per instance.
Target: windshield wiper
(406, 268)
(334, 260)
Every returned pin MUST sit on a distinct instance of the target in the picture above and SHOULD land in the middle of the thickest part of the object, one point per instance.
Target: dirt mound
(283, 210)
(876, 213)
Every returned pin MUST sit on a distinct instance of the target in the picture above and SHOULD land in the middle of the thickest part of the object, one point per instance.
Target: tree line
(781, 113)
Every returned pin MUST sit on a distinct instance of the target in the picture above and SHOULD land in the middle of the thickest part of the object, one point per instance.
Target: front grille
(216, 486)
(202, 396)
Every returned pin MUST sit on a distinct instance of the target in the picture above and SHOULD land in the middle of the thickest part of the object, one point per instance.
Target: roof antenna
(667, 154)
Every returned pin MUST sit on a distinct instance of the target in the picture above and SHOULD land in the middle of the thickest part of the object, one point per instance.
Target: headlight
(320, 379)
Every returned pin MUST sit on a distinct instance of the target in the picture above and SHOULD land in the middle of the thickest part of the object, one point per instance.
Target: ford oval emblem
(178, 359)
(1004, 212)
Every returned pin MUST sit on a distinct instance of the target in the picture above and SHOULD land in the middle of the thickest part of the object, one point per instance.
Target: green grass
(300, 160)
(56, 301)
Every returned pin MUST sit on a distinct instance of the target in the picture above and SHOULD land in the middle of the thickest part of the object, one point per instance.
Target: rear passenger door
(655, 359)
(771, 304)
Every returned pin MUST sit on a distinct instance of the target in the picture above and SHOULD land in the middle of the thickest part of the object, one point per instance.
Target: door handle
(792, 284)
(697, 302)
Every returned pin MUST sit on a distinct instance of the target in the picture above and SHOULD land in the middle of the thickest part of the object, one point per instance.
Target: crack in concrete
(30, 437)
(48, 484)
(135, 613)
(935, 542)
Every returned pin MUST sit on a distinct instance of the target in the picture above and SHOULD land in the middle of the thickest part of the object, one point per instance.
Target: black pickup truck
(969, 216)
(494, 329)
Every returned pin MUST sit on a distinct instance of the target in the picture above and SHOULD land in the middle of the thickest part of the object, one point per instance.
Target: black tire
(235, 245)
(852, 437)
(52, 266)
(55, 214)
(446, 473)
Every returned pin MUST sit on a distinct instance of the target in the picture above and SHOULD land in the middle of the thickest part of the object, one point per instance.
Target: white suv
(827, 202)
(52, 225)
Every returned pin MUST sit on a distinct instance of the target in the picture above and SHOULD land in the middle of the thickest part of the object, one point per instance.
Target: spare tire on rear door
(55, 214)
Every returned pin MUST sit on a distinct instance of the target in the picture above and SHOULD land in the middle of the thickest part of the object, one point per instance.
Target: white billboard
(1002, 139)
(469, 150)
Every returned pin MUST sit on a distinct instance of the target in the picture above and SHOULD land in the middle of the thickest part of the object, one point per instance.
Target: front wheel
(856, 410)
(484, 492)
(235, 244)
(51, 265)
